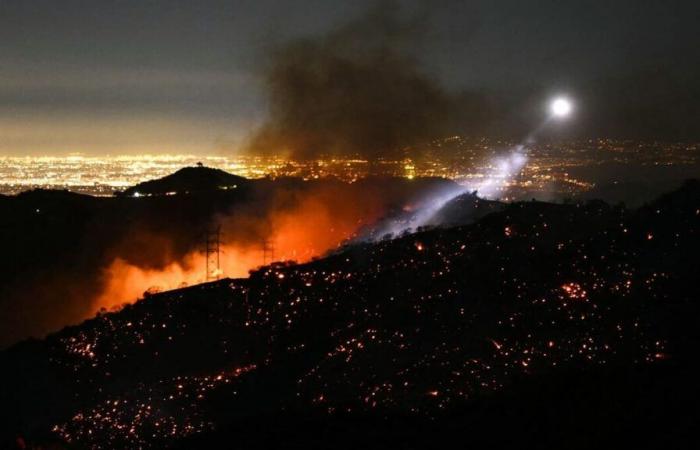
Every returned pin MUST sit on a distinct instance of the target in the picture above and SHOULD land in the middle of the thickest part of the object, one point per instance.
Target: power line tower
(212, 249)
(268, 250)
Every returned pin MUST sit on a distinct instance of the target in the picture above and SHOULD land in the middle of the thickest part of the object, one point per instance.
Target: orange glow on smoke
(318, 223)
(310, 230)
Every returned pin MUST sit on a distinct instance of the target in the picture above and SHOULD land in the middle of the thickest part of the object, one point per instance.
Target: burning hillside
(447, 323)
(70, 255)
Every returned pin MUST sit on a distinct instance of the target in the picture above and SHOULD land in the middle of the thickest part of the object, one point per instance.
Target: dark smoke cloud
(355, 90)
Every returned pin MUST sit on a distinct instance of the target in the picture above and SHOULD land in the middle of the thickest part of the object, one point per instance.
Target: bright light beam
(504, 170)
(561, 107)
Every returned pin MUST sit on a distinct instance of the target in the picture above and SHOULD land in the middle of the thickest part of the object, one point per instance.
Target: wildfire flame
(313, 227)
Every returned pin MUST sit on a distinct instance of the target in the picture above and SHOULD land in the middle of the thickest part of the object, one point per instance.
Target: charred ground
(540, 325)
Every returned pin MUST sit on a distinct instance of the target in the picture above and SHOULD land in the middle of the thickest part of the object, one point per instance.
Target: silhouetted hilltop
(551, 325)
(186, 180)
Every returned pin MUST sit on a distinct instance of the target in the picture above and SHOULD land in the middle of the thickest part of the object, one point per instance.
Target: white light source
(561, 107)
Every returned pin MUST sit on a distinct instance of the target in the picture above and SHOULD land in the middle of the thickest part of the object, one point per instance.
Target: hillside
(478, 330)
(188, 180)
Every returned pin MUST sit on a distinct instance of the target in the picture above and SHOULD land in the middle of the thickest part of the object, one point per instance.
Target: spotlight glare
(561, 107)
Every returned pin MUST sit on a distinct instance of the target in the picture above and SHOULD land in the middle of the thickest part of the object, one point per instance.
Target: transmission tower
(212, 248)
(268, 250)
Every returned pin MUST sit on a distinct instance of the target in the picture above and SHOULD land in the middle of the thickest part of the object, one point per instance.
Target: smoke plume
(356, 90)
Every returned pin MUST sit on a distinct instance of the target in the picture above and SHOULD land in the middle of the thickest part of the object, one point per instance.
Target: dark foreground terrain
(539, 326)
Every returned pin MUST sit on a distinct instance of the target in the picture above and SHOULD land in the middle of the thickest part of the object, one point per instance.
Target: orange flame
(317, 224)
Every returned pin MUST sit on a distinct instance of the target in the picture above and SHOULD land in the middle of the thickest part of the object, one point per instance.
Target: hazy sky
(184, 76)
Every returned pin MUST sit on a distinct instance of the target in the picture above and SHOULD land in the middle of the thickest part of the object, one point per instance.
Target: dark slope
(541, 325)
(55, 245)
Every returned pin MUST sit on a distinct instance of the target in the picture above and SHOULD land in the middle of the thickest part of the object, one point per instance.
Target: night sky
(154, 76)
